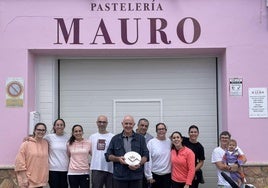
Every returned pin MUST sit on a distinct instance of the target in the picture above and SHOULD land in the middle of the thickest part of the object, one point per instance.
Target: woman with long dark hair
(79, 150)
(58, 158)
(182, 162)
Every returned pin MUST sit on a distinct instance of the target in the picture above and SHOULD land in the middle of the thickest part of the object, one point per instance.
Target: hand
(121, 160)
(151, 181)
(186, 186)
(134, 167)
(27, 138)
(234, 168)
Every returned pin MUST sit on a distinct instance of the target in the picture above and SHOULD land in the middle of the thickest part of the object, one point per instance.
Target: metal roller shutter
(177, 91)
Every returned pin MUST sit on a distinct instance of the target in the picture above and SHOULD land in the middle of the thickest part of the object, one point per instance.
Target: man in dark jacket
(127, 176)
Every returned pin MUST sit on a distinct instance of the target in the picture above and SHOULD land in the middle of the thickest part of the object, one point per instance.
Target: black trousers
(161, 181)
(177, 184)
(127, 184)
(79, 181)
(58, 179)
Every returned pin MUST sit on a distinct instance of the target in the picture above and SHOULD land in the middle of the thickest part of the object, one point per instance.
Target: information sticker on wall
(14, 92)
(257, 102)
(236, 86)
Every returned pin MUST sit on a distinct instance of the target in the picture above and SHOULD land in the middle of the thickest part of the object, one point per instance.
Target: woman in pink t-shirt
(79, 150)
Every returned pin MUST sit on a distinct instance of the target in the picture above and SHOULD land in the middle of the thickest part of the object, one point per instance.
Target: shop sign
(158, 30)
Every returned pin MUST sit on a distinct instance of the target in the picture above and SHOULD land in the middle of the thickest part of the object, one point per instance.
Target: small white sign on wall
(236, 86)
(257, 102)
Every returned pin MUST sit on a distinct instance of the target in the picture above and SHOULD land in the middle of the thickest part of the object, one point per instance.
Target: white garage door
(178, 92)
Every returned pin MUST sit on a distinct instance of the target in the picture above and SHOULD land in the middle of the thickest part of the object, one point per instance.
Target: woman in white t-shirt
(58, 158)
(158, 169)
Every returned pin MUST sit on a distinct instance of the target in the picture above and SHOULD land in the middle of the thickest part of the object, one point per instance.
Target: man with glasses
(101, 170)
(217, 157)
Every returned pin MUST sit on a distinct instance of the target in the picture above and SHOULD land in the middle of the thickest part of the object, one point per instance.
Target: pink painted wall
(238, 26)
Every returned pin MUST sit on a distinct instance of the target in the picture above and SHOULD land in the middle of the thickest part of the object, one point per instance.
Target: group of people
(60, 160)
(63, 161)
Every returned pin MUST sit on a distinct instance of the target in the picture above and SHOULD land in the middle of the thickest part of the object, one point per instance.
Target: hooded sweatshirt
(32, 161)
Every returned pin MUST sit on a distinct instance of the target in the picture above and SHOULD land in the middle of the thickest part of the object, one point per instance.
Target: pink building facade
(234, 33)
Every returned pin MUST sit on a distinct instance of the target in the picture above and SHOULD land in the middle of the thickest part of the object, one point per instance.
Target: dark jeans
(79, 181)
(58, 179)
(127, 184)
(177, 184)
(161, 181)
(100, 178)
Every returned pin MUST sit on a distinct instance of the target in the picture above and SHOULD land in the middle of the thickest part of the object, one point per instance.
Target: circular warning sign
(14, 89)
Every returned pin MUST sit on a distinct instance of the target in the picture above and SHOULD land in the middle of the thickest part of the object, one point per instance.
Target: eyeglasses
(161, 129)
(102, 122)
(41, 130)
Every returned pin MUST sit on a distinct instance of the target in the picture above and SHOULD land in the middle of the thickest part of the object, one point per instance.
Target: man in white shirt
(101, 170)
